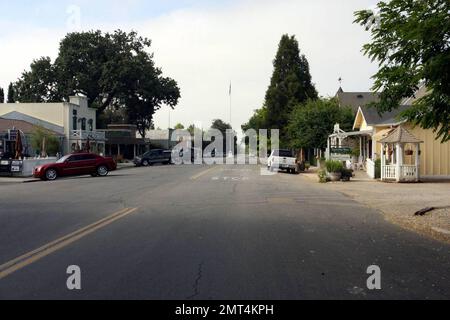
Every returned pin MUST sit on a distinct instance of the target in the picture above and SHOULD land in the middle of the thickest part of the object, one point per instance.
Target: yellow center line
(20, 262)
(203, 173)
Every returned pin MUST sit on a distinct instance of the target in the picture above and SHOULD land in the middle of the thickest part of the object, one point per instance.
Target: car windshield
(283, 153)
(63, 159)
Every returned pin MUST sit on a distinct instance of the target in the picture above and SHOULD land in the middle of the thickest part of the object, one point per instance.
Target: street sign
(341, 154)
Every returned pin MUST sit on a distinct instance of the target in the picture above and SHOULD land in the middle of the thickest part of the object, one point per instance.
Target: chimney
(79, 101)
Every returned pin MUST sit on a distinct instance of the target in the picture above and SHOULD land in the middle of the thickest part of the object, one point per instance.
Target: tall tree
(411, 43)
(11, 94)
(114, 70)
(2, 95)
(257, 121)
(290, 84)
(222, 126)
(39, 84)
(311, 123)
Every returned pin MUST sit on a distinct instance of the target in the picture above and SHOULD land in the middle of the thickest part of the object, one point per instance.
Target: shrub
(334, 166)
(378, 169)
(307, 166)
(301, 167)
(322, 176)
(52, 143)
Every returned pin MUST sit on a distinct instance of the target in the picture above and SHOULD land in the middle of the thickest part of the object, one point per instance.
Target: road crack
(197, 282)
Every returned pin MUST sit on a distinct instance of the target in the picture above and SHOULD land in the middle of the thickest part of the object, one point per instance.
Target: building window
(75, 120)
(91, 125)
(83, 124)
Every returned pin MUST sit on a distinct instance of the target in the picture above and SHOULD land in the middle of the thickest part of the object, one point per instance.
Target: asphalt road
(196, 232)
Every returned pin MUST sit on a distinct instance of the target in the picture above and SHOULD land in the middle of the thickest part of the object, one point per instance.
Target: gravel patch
(399, 202)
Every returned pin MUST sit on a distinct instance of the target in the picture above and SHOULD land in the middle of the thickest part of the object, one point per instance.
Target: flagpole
(230, 104)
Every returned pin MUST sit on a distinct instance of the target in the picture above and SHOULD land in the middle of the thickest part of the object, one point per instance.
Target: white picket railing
(389, 172)
(407, 173)
(84, 135)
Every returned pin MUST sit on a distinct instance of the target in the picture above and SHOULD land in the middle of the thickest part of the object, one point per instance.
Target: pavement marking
(21, 262)
(201, 174)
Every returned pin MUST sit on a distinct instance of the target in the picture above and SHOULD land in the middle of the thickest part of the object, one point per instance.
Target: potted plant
(409, 152)
(334, 169)
(346, 174)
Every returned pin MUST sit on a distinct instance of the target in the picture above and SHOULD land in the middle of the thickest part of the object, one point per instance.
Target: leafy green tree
(114, 70)
(39, 84)
(313, 122)
(290, 84)
(257, 121)
(221, 125)
(11, 94)
(179, 126)
(52, 143)
(191, 129)
(411, 43)
(2, 95)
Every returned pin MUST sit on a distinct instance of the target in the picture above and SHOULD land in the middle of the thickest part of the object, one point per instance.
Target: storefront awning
(344, 135)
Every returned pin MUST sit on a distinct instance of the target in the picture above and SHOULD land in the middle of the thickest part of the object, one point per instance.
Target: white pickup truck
(282, 160)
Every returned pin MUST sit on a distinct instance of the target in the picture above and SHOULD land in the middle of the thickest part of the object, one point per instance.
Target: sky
(203, 45)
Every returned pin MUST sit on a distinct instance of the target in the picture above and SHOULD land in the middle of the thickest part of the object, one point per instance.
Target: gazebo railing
(408, 173)
(389, 172)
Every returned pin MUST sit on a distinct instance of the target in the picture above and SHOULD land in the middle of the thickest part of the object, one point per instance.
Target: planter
(335, 176)
(409, 152)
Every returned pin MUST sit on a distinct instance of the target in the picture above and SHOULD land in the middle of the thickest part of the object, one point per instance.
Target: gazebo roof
(400, 135)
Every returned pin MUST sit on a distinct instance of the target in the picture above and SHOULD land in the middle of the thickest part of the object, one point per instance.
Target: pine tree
(291, 84)
(11, 94)
(2, 95)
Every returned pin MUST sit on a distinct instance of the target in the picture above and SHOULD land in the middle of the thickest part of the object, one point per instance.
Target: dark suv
(154, 157)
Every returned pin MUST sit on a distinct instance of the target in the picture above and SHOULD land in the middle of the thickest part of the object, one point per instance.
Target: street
(199, 232)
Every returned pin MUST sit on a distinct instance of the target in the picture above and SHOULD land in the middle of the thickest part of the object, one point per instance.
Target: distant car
(154, 157)
(76, 165)
(282, 160)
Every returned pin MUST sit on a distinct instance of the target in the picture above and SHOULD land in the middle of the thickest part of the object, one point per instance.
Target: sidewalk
(399, 202)
(9, 180)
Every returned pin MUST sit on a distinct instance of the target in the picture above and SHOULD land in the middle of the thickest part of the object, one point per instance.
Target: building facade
(422, 154)
(75, 120)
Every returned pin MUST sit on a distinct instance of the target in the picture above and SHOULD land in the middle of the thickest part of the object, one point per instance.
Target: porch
(82, 139)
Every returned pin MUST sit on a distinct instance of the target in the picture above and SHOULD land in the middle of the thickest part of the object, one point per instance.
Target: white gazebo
(394, 153)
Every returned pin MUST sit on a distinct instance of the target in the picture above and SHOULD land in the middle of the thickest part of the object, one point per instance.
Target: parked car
(154, 157)
(76, 165)
(6, 156)
(283, 160)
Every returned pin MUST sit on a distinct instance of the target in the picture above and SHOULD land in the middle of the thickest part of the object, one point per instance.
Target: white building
(74, 119)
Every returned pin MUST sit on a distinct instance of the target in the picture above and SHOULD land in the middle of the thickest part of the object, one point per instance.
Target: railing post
(417, 162)
(399, 163)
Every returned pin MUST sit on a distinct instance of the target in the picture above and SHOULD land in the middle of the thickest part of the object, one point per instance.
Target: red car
(76, 165)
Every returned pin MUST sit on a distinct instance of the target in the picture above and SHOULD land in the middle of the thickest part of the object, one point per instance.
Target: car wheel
(145, 163)
(51, 175)
(102, 171)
